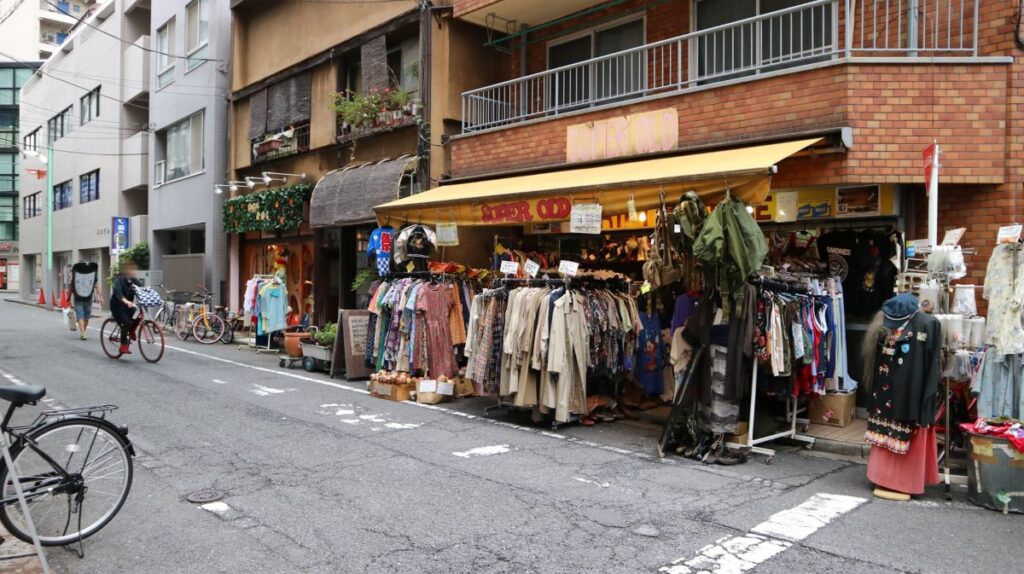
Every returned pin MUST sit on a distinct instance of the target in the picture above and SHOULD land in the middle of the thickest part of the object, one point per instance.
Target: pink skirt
(907, 473)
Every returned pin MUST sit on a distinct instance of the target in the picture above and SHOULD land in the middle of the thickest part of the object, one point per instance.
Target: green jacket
(732, 242)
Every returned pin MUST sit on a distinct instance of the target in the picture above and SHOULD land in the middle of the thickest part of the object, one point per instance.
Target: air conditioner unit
(51, 38)
(161, 172)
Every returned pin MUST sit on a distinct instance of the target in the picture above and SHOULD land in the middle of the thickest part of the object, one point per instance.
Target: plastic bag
(70, 319)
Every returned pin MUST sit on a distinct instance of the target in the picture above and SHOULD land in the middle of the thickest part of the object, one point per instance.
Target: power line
(120, 39)
(121, 81)
(48, 74)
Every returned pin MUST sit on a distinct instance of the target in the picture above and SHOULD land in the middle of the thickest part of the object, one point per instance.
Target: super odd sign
(623, 136)
(527, 210)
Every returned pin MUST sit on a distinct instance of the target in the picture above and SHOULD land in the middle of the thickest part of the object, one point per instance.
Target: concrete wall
(191, 202)
(19, 32)
(93, 60)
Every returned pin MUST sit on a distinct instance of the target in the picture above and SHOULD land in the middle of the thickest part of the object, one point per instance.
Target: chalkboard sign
(350, 347)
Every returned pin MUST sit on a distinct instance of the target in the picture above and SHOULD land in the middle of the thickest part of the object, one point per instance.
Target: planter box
(316, 351)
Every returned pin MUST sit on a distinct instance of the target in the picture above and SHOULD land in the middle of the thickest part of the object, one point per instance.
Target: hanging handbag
(671, 266)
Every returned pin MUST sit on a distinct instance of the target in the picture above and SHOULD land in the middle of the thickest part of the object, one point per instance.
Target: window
(59, 125)
(165, 46)
(797, 38)
(613, 78)
(404, 65)
(198, 34)
(89, 187)
(8, 128)
(32, 205)
(11, 80)
(62, 195)
(8, 173)
(89, 108)
(8, 218)
(28, 143)
(182, 148)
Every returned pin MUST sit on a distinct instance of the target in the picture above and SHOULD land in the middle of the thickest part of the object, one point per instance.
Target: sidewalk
(14, 547)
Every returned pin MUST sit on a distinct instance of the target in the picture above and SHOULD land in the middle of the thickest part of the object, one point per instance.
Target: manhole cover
(204, 496)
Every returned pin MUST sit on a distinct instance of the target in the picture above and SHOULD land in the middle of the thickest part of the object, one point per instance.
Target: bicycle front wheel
(110, 338)
(182, 326)
(151, 341)
(65, 510)
(208, 329)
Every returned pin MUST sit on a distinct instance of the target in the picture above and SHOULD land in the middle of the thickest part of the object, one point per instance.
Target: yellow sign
(783, 205)
(622, 136)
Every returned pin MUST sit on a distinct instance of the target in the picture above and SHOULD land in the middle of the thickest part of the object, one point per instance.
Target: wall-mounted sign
(120, 234)
(622, 136)
(8, 246)
(585, 218)
(527, 210)
(858, 200)
(826, 202)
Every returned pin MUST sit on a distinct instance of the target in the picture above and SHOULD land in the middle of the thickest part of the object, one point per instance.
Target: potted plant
(317, 354)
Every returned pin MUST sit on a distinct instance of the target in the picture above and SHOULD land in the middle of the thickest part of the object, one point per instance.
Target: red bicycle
(146, 333)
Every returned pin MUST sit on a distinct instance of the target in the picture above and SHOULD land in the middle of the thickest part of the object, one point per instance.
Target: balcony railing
(771, 42)
(283, 144)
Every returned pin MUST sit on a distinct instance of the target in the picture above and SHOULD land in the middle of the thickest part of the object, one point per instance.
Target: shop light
(252, 181)
(219, 188)
(750, 209)
(235, 185)
(269, 176)
(643, 217)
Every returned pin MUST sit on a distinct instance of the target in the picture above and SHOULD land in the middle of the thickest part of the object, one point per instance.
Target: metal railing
(276, 146)
(770, 42)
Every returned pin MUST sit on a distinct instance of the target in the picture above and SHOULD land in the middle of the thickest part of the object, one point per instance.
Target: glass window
(165, 47)
(183, 148)
(62, 195)
(89, 106)
(8, 218)
(198, 33)
(31, 205)
(8, 128)
(613, 78)
(29, 141)
(59, 125)
(8, 87)
(8, 172)
(89, 187)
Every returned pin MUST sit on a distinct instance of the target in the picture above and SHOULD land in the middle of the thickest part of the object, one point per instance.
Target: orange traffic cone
(64, 303)
(53, 299)
(42, 297)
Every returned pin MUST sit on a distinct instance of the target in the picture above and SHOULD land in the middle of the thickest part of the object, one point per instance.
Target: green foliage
(360, 110)
(327, 335)
(364, 278)
(272, 210)
(137, 254)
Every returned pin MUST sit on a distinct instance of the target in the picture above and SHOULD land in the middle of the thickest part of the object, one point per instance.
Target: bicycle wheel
(229, 333)
(183, 326)
(208, 328)
(97, 459)
(151, 341)
(110, 338)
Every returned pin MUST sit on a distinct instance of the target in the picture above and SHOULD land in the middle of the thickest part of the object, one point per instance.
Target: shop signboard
(527, 210)
(120, 234)
(447, 234)
(789, 205)
(8, 246)
(585, 218)
(623, 136)
(350, 348)
(858, 201)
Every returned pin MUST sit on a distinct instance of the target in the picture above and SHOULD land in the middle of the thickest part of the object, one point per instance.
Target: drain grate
(204, 496)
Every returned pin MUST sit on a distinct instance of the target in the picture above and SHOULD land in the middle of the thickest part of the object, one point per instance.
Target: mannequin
(903, 346)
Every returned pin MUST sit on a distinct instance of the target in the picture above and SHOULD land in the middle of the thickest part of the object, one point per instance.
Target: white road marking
(344, 412)
(372, 418)
(220, 382)
(216, 507)
(740, 553)
(484, 451)
(594, 482)
(402, 426)
(265, 391)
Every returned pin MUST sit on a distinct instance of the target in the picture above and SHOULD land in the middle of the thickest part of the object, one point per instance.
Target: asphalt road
(320, 477)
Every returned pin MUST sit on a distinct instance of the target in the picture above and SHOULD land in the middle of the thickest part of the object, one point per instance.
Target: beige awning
(542, 197)
(346, 196)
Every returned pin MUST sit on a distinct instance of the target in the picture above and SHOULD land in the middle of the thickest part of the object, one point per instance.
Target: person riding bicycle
(122, 303)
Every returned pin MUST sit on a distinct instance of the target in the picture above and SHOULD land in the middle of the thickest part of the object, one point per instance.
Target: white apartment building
(88, 108)
(35, 29)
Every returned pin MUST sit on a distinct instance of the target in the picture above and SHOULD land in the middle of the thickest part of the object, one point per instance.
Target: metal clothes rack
(792, 403)
(270, 334)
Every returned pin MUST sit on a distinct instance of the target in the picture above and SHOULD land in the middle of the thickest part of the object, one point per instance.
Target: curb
(851, 449)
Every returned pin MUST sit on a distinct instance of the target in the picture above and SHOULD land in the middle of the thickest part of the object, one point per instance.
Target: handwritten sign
(568, 268)
(447, 234)
(531, 267)
(586, 218)
(1009, 234)
(509, 267)
(427, 386)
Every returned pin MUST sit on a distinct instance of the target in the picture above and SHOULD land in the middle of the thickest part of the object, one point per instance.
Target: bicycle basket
(147, 297)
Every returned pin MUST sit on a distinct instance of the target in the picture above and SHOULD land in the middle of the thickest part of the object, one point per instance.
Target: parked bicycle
(74, 467)
(197, 320)
(148, 336)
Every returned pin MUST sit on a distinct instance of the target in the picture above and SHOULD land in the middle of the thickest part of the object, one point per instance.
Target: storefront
(275, 240)
(10, 274)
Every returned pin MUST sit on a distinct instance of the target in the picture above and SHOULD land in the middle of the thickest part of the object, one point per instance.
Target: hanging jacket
(732, 241)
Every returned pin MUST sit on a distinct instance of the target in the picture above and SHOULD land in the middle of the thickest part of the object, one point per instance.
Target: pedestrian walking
(122, 303)
(85, 286)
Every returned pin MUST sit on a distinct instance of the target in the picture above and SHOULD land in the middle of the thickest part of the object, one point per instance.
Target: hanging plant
(272, 210)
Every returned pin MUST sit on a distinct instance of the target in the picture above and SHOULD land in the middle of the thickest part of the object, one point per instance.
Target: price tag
(427, 386)
(447, 389)
(531, 267)
(447, 234)
(953, 236)
(586, 218)
(677, 228)
(1009, 234)
(568, 268)
(509, 267)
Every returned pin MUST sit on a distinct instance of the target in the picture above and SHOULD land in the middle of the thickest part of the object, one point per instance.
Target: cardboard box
(741, 435)
(431, 392)
(835, 409)
(392, 391)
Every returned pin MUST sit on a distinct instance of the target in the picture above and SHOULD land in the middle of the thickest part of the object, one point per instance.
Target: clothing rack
(267, 349)
(792, 403)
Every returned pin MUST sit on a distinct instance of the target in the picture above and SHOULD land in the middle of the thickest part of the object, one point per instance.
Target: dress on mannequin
(903, 403)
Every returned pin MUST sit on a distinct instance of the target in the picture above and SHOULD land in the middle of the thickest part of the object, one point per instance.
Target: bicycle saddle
(23, 395)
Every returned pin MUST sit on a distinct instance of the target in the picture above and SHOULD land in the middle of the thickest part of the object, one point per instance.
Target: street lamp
(219, 188)
(47, 160)
(269, 176)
